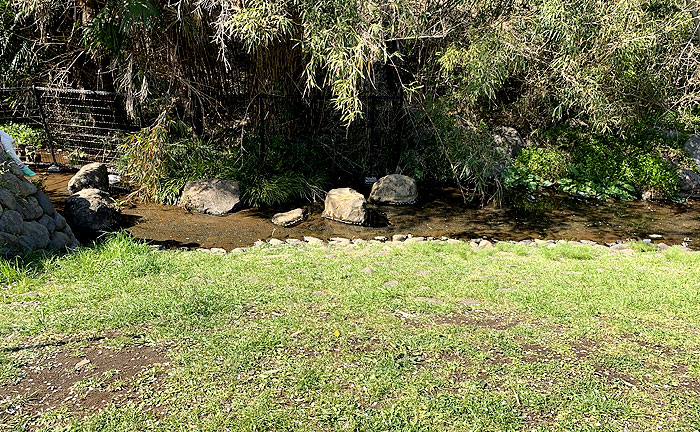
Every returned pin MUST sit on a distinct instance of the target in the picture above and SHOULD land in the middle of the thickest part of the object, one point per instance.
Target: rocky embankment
(28, 220)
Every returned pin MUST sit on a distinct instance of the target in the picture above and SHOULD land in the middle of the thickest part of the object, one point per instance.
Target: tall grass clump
(159, 161)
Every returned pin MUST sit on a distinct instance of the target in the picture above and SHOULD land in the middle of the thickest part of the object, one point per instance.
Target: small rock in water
(381, 238)
(289, 218)
(655, 236)
(647, 241)
(54, 169)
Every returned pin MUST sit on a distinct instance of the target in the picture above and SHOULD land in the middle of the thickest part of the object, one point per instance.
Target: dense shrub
(599, 166)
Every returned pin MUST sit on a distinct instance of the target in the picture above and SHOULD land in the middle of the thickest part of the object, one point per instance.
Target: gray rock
(7, 200)
(44, 203)
(48, 222)
(692, 146)
(16, 185)
(394, 189)
(345, 205)
(60, 242)
(11, 222)
(91, 176)
(689, 183)
(508, 141)
(312, 240)
(29, 208)
(398, 238)
(275, 242)
(294, 242)
(218, 251)
(289, 218)
(213, 196)
(34, 236)
(59, 220)
(9, 244)
(91, 211)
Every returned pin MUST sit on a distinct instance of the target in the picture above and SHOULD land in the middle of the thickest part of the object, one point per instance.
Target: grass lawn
(417, 337)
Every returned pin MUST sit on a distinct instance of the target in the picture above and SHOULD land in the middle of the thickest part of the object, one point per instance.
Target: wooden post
(43, 122)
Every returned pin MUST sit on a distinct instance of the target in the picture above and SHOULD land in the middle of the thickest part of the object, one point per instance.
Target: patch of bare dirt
(100, 375)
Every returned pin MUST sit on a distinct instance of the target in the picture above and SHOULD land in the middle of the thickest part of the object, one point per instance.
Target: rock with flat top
(214, 196)
(289, 218)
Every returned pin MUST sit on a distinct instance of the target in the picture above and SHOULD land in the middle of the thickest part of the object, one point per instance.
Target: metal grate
(80, 126)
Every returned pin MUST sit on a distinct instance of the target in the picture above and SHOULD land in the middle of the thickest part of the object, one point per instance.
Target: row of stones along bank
(622, 247)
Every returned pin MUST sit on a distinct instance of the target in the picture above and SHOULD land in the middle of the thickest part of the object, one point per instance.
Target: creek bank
(438, 213)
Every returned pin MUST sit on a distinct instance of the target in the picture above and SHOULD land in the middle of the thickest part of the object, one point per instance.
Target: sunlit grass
(427, 336)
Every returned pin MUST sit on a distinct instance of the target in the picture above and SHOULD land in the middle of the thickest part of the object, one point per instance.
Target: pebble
(381, 238)
(238, 250)
(82, 363)
(218, 251)
(415, 239)
(398, 238)
(340, 241)
(656, 236)
(294, 242)
(453, 241)
(484, 244)
(619, 246)
(275, 242)
(312, 240)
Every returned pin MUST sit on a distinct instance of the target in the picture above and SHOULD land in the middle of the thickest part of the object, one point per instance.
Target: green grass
(435, 337)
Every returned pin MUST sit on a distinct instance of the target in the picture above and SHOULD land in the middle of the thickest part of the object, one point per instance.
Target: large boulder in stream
(394, 189)
(90, 176)
(345, 205)
(28, 221)
(92, 211)
(213, 196)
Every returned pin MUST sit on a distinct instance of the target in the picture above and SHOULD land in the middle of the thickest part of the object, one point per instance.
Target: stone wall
(28, 221)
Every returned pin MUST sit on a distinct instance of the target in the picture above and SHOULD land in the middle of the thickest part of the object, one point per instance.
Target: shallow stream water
(442, 214)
